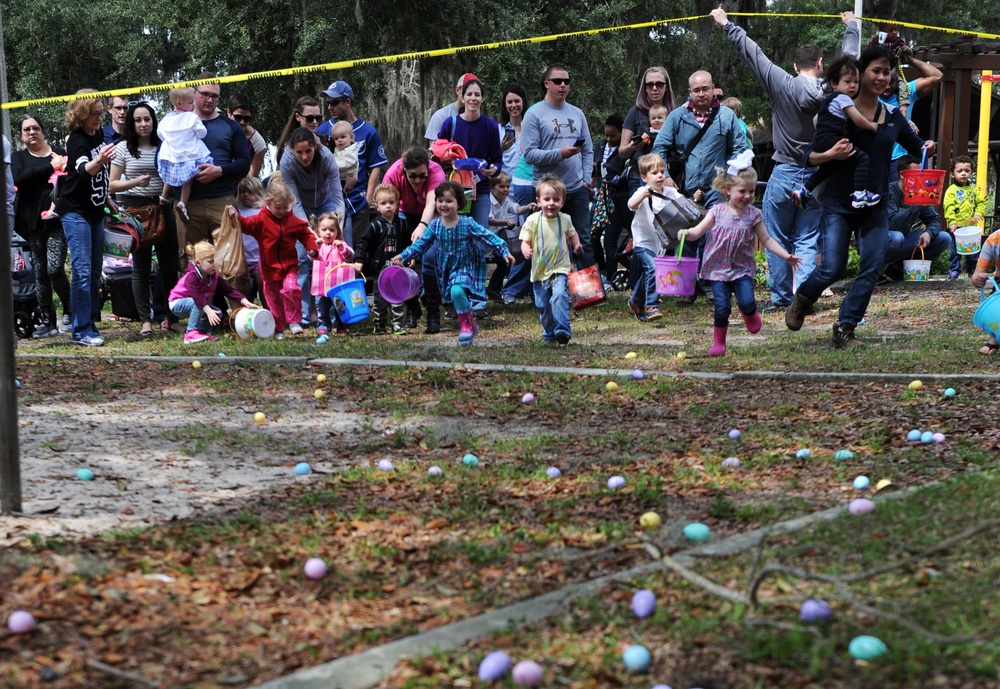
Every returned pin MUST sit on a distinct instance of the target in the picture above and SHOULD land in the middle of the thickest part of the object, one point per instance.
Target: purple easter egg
(553, 472)
(643, 603)
(20, 622)
(435, 471)
(385, 465)
(814, 611)
(661, 686)
(527, 398)
(731, 463)
(939, 438)
(315, 568)
(494, 666)
(636, 374)
(735, 434)
(527, 673)
(616, 482)
(861, 506)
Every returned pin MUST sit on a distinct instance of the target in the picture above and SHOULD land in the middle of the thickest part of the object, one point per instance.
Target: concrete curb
(365, 669)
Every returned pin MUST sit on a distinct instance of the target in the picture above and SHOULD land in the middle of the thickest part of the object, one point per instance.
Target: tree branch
(695, 578)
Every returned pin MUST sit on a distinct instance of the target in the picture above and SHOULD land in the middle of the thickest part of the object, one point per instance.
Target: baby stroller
(27, 314)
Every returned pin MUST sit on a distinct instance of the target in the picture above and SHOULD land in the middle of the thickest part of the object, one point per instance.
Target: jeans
(871, 230)
(621, 219)
(519, 278)
(197, 319)
(743, 289)
(955, 258)
(85, 238)
(305, 263)
(142, 263)
(577, 207)
(552, 302)
(900, 247)
(644, 292)
(796, 230)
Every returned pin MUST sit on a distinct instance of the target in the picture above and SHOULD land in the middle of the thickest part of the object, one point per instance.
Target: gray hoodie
(794, 99)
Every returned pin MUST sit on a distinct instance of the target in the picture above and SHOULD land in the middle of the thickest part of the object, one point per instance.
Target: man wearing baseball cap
(448, 111)
(371, 156)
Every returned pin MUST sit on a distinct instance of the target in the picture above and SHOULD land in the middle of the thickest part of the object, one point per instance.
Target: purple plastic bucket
(397, 284)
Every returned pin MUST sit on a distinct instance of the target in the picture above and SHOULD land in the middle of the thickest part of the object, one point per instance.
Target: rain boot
(433, 321)
(718, 348)
(467, 328)
(752, 321)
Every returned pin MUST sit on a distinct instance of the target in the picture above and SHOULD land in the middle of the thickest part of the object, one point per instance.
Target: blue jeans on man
(519, 278)
(552, 302)
(798, 231)
(901, 247)
(85, 238)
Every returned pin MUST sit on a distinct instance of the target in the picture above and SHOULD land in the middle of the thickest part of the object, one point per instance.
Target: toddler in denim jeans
(646, 244)
(729, 261)
(546, 239)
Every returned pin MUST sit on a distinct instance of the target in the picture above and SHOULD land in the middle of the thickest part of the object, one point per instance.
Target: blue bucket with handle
(987, 316)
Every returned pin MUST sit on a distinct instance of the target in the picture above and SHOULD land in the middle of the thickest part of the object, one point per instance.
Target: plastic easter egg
(17, 384)
(914, 436)
(84, 474)
(631, 355)
(616, 482)
(866, 647)
(814, 611)
(661, 686)
(697, 532)
(861, 483)
(926, 437)
(731, 463)
(315, 568)
(222, 355)
(527, 398)
(860, 506)
(302, 469)
(643, 603)
(950, 392)
(636, 658)
(553, 472)
(883, 484)
(649, 520)
(636, 374)
(259, 417)
(319, 394)
(321, 378)
(682, 355)
(385, 465)
(527, 673)
(612, 386)
(735, 434)
(843, 454)
(470, 460)
(494, 666)
(939, 438)
(20, 622)
(915, 385)
(804, 453)
(195, 364)
(389, 433)
(435, 471)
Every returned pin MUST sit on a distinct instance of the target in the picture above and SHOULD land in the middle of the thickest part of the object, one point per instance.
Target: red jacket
(277, 239)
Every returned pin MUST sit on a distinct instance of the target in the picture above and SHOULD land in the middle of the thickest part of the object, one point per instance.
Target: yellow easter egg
(650, 520)
(631, 355)
(682, 355)
(321, 378)
(916, 385)
(195, 364)
(612, 386)
(259, 417)
(319, 394)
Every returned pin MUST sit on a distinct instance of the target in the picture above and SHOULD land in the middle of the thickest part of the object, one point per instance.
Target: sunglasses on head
(312, 118)
(558, 81)
(243, 119)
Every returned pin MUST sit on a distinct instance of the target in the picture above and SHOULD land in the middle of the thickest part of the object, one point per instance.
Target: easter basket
(922, 187)
(914, 270)
(987, 316)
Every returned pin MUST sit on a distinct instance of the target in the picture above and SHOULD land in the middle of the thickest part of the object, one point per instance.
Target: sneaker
(771, 307)
(864, 198)
(954, 274)
(399, 330)
(295, 329)
(66, 324)
(279, 336)
(508, 300)
(378, 330)
(494, 295)
(637, 311)
(341, 331)
(481, 314)
(182, 209)
(608, 287)
(549, 343)
(653, 313)
(322, 330)
(89, 340)
(800, 197)
(410, 322)
(192, 336)
(43, 331)
(842, 334)
(562, 340)
(322, 339)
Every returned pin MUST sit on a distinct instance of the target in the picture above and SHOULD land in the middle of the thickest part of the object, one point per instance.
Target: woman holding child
(840, 220)
(654, 90)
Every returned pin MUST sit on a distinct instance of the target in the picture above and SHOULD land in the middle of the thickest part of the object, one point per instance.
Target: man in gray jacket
(794, 102)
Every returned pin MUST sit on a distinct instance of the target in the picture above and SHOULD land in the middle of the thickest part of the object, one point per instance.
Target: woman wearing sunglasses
(306, 114)
(241, 111)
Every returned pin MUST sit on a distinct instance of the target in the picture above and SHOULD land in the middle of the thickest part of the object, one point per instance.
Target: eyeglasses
(119, 108)
(558, 81)
(32, 128)
(312, 118)
(97, 113)
(416, 175)
(334, 101)
(243, 119)
(207, 96)
(656, 84)
(701, 89)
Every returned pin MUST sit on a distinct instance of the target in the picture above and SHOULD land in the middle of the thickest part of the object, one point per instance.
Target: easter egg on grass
(939, 438)
(553, 472)
(814, 611)
(321, 378)
(950, 392)
(527, 673)
(649, 520)
(731, 463)
(616, 482)
(612, 386)
(861, 506)
(631, 355)
(914, 436)
(527, 398)
(844, 454)
(435, 471)
(84, 474)
(259, 417)
(636, 658)
(470, 460)
(315, 568)
(196, 364)
(637, 374)
(926, 437)
(20, 622)
(915, 385)
(861, 483)
(803, 454)
(385, 465)
(302, 469)
(697, 532)
(494, 666)
(643, 603)
(735, 434)
(866, 647)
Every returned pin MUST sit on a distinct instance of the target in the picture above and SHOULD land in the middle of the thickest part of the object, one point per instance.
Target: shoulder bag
(677, 162)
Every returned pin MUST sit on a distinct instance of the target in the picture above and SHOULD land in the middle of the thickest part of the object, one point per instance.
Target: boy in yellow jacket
(962, 206)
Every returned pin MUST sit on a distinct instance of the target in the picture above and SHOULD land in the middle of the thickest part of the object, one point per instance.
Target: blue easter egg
(950, 392)
(17, 384)
(636, 658)
(302, 469)
(553, 472)
(222, 355)
(84, 474)
(803, 454)
(914, 436)
(697, 532)
(661, 686)
(866, 647)
(926, 437)
(735, 434)
(861, 483)
(843, 454)
(470, 460)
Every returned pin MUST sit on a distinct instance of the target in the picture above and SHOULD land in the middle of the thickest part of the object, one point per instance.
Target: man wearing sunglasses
(555, 140)
(118, 107)
(371, 156)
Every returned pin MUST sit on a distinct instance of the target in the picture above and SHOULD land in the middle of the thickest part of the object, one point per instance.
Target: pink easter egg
(527, 673)
(315, 568)
(861, 506)
(20, 622)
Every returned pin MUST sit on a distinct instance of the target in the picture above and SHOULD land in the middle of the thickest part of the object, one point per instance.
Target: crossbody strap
(701, 133)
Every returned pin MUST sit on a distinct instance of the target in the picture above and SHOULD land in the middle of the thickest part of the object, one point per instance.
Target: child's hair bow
(740, 163)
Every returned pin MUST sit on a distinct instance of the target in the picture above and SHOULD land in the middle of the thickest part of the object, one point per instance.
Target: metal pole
(4, 96)
(10, 463)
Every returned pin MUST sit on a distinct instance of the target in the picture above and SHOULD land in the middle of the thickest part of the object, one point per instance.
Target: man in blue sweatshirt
(555, 140)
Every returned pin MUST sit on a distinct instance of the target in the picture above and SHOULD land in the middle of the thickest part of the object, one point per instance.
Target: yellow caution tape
(442, 52)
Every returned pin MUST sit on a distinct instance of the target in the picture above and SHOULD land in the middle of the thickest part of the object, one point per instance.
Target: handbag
(512, 235)
(154, 223)
(678, 213)
(586, 287)
(677, 162)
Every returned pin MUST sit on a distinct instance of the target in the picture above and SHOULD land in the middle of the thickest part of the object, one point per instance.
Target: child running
(277, 230)
(646, 244)
(194, 293)
(988, 264)
(460, 261)
(963, 205)
(329, 270)
(844, 75)
(182, 150)
(376, 248)
(729, 259)
(546, 238)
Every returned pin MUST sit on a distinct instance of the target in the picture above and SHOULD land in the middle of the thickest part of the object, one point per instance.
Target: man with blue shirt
(371, 157)
(118, 107)
(555, 140)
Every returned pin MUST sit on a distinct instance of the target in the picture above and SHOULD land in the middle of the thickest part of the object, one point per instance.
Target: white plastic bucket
(968, 239)
(250, 323)
(119, 244)
(916, 271)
